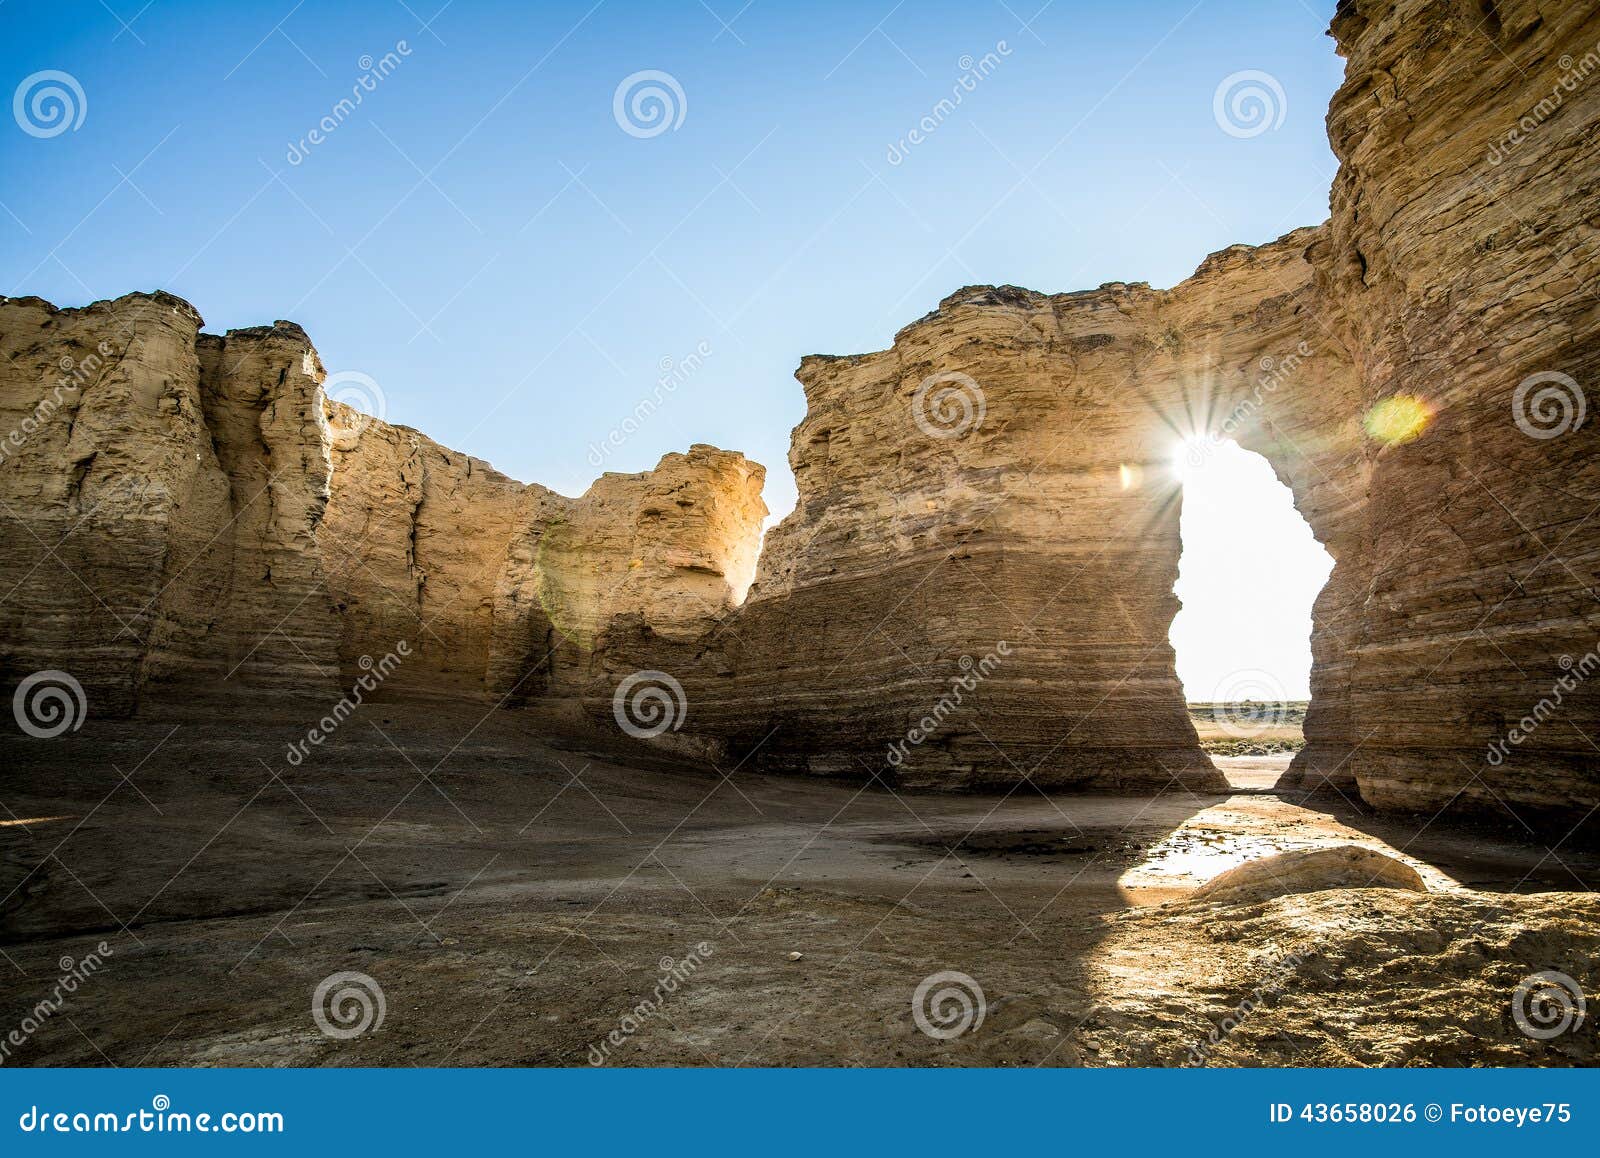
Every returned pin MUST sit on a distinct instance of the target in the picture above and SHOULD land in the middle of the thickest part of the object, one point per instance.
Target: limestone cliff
(1415, 370)
(987, 531)
(154, 485)
(183, 513)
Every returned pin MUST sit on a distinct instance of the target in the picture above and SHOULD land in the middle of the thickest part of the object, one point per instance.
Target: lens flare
(1398, 419)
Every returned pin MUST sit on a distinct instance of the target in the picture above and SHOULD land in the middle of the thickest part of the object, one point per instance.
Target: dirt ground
(519, 900)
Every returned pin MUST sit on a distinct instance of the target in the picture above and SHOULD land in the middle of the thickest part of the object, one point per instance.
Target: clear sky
(513, 256)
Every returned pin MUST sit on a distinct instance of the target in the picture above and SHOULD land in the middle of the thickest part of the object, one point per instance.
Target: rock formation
(976, 586)
(1414, 370)
(1309, 870)
(1460, 264)
(188, 513)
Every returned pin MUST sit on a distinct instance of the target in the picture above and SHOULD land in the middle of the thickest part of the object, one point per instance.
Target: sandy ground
(519, 900)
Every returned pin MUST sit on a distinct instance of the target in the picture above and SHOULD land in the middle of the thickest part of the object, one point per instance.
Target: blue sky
(482, 238)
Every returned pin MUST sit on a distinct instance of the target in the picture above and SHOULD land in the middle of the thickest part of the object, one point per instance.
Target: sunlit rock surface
(1310, 870)
(190, 513)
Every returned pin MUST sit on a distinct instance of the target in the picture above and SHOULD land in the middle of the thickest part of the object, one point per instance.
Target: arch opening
(1249, 571)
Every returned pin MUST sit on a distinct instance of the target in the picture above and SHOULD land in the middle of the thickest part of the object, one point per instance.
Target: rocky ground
(521, 901)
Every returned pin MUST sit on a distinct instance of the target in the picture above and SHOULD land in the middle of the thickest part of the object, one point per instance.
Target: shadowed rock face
(1461, 259)
(976, 586)
(499, 587)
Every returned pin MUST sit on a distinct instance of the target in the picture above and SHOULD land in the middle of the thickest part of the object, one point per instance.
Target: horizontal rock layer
(1461, 261)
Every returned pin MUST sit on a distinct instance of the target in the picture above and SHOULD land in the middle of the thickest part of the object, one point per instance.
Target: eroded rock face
(1460, 260)
(1414, 370)
(154, 484)
(661, 555)
(184, 513)
(976, 586)
(415, 540)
